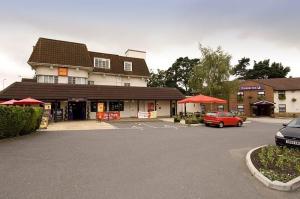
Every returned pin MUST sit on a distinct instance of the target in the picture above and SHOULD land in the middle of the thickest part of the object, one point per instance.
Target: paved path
(155, 162)
(270, 120)
(78, 125)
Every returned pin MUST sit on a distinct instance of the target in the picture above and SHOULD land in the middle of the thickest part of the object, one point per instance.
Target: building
(267, 97)
(75, 80)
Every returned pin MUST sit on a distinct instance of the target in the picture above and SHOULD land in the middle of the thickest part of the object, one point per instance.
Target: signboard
(100, 107)
(112, 115)
(58, 115)
(62, 71)
(146, 115)
(47, 106)
(44, 122)
(249, 88)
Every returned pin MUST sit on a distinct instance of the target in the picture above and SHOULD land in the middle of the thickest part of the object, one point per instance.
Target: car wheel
(221, 125)
(239, 124)
(206, 124)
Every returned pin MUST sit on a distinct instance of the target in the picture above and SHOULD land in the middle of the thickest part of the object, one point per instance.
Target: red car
(222, 119)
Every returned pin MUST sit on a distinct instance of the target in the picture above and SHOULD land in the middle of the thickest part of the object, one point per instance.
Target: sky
(165, 29)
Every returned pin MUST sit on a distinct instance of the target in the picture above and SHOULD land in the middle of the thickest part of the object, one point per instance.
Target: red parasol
(202, 99)
(28, 101)
(9, 102)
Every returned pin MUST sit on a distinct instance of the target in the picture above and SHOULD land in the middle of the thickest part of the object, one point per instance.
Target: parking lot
(136, 160)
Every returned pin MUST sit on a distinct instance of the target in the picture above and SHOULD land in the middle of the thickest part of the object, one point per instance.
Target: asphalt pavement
(138, 160)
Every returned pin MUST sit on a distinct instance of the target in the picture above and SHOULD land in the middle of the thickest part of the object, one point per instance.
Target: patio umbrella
(202, 99)
(28, 101)
(9, 102)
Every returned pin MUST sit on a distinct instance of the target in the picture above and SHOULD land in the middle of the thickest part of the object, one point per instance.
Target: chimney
(135, 53)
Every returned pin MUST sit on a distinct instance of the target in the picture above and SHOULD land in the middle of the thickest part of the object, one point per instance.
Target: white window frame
(80, 80)
(127, 69)
(240, 107)
(98, 63)
(280, 107)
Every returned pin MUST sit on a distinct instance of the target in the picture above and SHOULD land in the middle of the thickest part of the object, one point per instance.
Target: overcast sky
(165, 29)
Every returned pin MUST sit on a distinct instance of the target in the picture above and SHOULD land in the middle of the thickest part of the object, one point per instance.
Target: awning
(203, 99)
(263, 102)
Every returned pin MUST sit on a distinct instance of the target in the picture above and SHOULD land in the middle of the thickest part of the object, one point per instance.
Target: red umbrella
(28, 101)
(202, 99)
(9, 102)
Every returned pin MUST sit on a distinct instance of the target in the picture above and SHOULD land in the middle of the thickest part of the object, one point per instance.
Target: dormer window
(101, 63)
(127, 66)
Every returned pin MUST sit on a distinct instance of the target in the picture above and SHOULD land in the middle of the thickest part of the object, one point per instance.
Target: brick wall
(250, 96)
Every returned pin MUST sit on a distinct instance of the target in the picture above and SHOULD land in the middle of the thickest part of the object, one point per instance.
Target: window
(126, 84)
(91, 82)
(47, 79)
(116, 106)
(228, 114)
(240, 96)
(101, 63)
(220, 107)
(260, 95)
(282, 108)
(281, 95)
(127, 66)
(77, 80)
(240, 108)
(93, 106)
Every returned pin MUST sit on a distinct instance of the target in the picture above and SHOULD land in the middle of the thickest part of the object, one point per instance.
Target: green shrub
(177, 119)
(279, 163)
(33, 121)
(16, 121)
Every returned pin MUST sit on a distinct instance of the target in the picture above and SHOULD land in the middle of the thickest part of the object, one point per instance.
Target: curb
(281, 186)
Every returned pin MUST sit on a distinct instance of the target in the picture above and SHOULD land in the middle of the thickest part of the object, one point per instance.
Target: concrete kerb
(277, 185)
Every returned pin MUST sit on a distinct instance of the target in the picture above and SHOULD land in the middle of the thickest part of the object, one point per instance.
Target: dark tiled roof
(60, 52)
(139, 66)
(282, 83)
(49, 51)
(20, 90)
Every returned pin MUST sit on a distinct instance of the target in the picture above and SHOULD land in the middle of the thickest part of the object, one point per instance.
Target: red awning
(202, 99)
(9, 102)
(28, 101)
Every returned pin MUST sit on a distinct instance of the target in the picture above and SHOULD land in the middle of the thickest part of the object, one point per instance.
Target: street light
(3, 82)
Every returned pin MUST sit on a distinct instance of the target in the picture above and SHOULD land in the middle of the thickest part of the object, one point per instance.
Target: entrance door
(77, 110)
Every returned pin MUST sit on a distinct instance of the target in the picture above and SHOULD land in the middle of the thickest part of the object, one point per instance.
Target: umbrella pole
(184, 109)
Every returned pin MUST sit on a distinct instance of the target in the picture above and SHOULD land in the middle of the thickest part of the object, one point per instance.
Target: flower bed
(277, 163)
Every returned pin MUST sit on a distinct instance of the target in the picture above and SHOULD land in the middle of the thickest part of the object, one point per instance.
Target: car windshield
(294, 123)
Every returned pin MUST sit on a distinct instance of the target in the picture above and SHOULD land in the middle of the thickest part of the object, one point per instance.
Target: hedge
(16, 121)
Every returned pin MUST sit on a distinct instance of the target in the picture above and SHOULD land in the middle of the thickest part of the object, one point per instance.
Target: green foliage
(33, 120)
(193, 119)
(177, 119)
(279, 163)
(281, 97)
(211, 75)
(260, 70)
(16, 121)
(177, 76)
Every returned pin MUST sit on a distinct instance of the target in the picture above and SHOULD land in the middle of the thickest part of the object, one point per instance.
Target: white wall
(190, 108)
(136, 54)
(163, 108)
(130, 109)
(44, 70)
(100, 79)
(291, 107)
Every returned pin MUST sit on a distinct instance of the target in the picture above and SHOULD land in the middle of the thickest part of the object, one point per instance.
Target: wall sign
(249, 88)
(100, 107)
(62, 71)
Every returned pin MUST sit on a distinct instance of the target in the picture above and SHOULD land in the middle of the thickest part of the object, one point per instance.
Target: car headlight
(279, 134)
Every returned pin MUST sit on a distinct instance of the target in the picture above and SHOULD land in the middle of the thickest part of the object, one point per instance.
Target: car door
(231, 119)
(222, 118)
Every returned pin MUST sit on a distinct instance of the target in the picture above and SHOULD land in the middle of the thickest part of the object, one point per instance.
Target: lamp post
(3, 82)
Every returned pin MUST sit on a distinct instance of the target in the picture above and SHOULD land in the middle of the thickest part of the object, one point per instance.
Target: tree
(260, 70)
(210, 75)
(240, 70)
(179, 73)
(157, 79)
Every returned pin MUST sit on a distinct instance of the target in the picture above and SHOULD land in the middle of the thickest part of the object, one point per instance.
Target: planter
(281, 186)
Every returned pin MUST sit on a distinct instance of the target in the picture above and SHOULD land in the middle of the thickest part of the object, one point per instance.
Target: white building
(77, 82)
